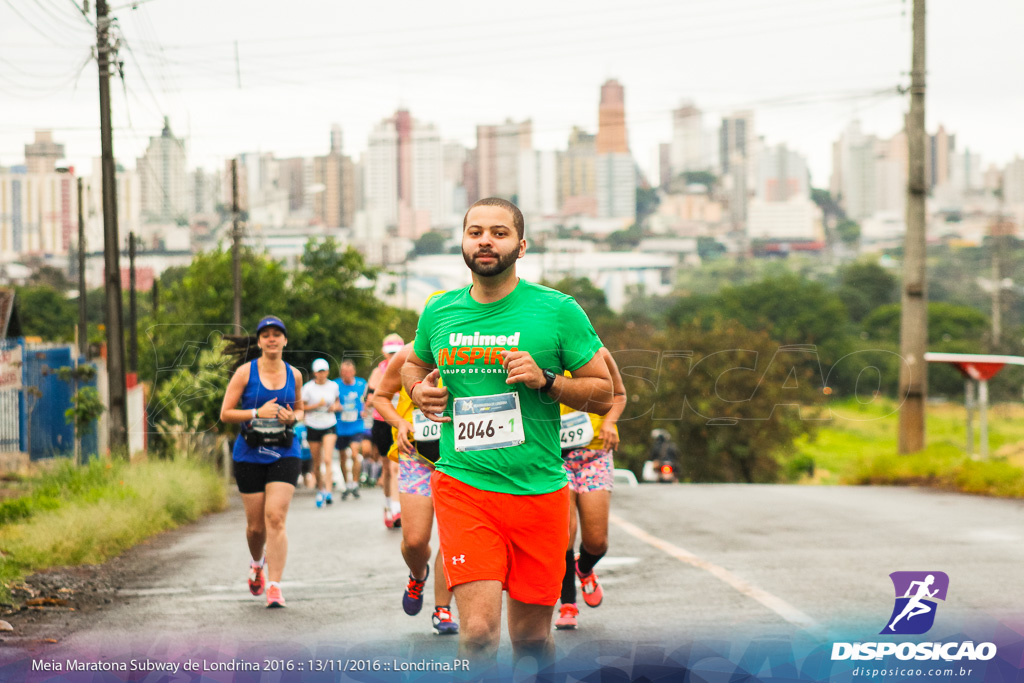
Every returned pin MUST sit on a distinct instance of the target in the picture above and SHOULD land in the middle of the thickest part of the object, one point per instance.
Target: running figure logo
(916, 592)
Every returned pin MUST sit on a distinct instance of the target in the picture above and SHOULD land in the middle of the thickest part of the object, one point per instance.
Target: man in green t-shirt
(499, 348)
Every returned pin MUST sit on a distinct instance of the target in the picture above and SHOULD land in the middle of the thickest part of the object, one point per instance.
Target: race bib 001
(577, 430)
(424, 429)
(484, 422)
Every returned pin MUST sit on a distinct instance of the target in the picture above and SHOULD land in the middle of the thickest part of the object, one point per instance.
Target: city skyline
(805, 69)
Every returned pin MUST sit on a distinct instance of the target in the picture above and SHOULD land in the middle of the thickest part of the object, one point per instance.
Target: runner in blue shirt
(352, 390)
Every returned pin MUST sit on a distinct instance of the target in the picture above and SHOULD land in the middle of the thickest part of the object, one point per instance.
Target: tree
(848, 231)
(865, 285)
(828, 205)
(46, 313)
(591, 299)
(646, 203)
(430, 243)
(732, 399)
(705, 178)
(49, 276)
(626, 239)
(197, 306)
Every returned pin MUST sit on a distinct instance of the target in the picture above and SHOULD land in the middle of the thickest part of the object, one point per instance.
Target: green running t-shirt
(465, 339)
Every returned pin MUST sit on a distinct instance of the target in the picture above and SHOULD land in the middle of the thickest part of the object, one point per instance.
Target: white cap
(320, 364)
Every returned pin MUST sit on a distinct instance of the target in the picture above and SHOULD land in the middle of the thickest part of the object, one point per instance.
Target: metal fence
(45, 432)
(10, 400)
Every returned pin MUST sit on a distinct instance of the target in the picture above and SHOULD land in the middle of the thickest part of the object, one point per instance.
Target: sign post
(976, 368)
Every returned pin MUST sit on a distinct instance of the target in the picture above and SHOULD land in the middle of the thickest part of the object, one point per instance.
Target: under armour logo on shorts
(458, 558)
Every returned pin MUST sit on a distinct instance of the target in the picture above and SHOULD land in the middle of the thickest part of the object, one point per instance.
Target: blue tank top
(255, 395)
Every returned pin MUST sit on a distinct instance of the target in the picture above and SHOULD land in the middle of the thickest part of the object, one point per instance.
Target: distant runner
(416, 448)
(266, 453)
(320, 397)
(587, 444)
(352, 392)
(381, 438)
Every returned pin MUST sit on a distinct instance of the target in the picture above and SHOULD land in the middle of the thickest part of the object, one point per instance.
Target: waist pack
(268, 432)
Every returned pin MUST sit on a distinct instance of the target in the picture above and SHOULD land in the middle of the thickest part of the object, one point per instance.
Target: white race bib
(349, 415)
(485, 422)
(577, 430)
(424, 429)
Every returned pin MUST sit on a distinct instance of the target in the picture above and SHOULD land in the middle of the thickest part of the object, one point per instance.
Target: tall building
(941, 148)
(164, 182)
(782, 174)
(38, 212)
(403, 177)
(737, 158)
(853, 182)
(453, 182)
(333, 202)
(42, 155)
(736, 140)
(869, 174)
(205, 192)
(1013, 183)
(664, 165)
(615, 170)
(691, 144)
(611, 119)
(497, 157)
(577, 175)
(538, 183)
(781, 208)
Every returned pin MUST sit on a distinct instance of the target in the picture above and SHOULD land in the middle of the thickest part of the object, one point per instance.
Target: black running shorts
(314, 435)
(253, 477)
(381, 436)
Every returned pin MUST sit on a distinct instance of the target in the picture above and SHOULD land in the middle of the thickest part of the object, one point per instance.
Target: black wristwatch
(549, 381)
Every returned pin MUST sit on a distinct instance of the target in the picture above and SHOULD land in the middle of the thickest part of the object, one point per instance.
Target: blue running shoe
(444, 625)
(328, 498)
(412, 599)
(319, 499)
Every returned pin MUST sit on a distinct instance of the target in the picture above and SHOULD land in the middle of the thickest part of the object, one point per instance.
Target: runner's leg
(327, 452)
(279, 497)
(255, 524)
(479, 604)
(529, 629)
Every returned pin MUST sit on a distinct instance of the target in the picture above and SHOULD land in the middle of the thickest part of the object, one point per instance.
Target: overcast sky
(806, 67)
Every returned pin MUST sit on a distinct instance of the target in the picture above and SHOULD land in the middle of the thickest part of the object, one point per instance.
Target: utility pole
(133, 337)
(117, 410)
(914, 316)
(236, 247)
(83, 330)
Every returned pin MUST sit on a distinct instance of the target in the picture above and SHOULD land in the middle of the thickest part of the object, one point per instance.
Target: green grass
(858, 446)
(88, 514)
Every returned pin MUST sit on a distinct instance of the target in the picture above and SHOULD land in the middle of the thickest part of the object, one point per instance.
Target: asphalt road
(686, 562)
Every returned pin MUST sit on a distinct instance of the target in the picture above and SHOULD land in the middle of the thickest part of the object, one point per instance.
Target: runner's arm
(420, 381)
(229, 413)
(389, 384)
(589, 389)
(608, 433)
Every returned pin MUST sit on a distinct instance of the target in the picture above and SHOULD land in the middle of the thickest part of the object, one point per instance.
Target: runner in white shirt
(322, 398)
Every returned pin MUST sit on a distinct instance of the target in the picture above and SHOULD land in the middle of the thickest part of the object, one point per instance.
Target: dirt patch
(50, 605)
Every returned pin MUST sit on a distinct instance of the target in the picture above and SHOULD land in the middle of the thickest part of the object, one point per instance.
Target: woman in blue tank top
(266, 454)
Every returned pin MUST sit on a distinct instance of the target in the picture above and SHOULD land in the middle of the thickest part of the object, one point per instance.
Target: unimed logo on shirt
(467, 349)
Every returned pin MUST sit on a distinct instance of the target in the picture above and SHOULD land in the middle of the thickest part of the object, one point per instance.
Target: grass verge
(858, 446)
(86, 515)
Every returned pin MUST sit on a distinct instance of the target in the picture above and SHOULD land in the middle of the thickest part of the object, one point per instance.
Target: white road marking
(772, 602)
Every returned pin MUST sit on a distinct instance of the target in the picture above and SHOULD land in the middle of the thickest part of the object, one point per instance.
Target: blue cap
(270, 321)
